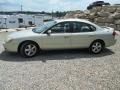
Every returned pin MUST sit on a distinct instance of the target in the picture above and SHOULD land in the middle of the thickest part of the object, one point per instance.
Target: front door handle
(66, 36)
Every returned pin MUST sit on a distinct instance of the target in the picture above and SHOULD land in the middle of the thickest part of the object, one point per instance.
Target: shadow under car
(55, 55)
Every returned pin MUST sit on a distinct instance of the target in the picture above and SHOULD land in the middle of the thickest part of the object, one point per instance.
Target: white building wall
(39, 20)
(11, 21)
(2, 23)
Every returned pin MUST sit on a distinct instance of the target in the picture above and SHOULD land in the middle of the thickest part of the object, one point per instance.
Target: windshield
(44, 27)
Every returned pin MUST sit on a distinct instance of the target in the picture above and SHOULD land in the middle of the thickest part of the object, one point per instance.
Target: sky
(47, 5)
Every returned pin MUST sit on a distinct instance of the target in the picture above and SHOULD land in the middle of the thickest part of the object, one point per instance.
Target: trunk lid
(111, 30)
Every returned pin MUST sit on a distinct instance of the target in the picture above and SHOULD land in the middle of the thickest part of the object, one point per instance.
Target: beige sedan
(61, 34)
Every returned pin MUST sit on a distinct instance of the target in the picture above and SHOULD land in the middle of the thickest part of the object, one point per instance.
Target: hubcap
(96, 47)
(30, 50)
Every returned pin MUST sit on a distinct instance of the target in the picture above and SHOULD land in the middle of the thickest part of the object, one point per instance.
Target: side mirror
(49, 32)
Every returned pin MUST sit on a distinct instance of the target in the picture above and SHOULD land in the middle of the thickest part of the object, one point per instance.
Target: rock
(104, 20)
(95, 10)
(87, 12)
(116, 15)
(118, 10)
(80, 15)
(110, 9)
(100, 24)
(78, 12)
(118, 27)
(116, 6)
(111, 25)
(103, 14)
(72, 14)
(68, 15)
(91, 16)
(98, 8)
(117, 22)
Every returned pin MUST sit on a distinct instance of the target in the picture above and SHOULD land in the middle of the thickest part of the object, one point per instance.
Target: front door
(59, 38)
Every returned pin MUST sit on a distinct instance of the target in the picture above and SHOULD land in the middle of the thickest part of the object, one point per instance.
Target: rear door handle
(91, 35)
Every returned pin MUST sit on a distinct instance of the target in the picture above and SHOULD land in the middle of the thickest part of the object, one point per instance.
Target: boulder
(94, 10)
(117, 22)
(111, 25)
(91, 16)
(78, 12)
(72, 14)
(98, 8)
(100, 24)
(118, 27)
(103, 14)
(110, 9)
(104, 20)
(116, 15)
(118, 10)
(116, 6)
(80, 15)
(68, 15)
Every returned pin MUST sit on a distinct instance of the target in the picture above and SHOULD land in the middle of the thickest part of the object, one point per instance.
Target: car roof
(73, 20)
(77, 20)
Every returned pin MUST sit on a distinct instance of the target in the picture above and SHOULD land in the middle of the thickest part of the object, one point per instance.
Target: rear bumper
(111, 43)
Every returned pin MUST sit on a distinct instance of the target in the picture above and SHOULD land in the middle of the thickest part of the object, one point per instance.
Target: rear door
(82, 34)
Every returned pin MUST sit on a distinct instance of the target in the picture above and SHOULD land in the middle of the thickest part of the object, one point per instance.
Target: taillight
(114, 33)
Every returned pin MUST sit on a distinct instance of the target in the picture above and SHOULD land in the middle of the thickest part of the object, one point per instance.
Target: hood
(22, 34)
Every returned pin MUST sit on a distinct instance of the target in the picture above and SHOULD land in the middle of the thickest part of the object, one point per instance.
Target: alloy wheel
(96, 47)
(30, 50)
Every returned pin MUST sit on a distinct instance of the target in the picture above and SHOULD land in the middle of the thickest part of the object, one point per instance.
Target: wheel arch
(100, 40)
(28, 41)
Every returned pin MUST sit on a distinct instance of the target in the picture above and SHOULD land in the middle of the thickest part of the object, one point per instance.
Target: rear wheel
(28, 49)
(96, 47)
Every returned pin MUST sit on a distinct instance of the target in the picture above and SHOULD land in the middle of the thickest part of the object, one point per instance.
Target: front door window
(61, 28)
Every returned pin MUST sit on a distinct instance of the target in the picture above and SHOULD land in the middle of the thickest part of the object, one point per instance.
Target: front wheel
(96, 47)
(28, 49)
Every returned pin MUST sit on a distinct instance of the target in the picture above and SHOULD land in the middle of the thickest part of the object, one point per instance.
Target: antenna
(21, 8)
(52, 14)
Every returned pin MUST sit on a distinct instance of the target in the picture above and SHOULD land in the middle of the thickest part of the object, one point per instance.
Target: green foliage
(54, 14)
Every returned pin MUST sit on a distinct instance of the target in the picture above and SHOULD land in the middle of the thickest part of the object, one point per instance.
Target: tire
(28, 49)
(96, 47)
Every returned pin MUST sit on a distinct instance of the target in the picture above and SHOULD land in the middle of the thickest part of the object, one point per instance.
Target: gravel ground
(61, 70)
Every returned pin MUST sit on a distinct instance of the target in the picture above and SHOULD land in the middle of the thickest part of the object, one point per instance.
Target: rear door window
(82, 27)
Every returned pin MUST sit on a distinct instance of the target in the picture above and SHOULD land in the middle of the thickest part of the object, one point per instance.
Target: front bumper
(10, 46)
